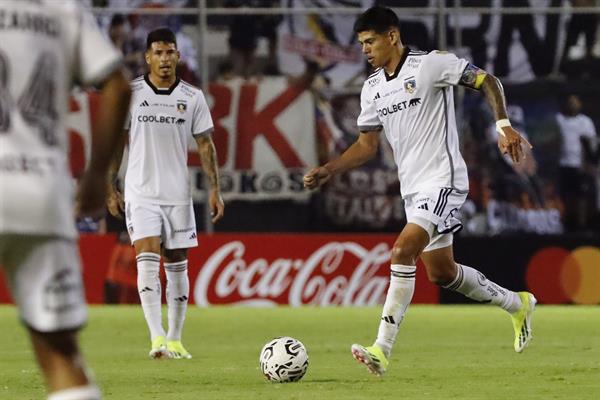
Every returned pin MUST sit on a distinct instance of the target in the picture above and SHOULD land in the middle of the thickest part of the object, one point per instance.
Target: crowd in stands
(551, 192)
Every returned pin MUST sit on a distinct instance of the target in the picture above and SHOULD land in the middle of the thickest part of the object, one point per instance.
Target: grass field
(443, 352)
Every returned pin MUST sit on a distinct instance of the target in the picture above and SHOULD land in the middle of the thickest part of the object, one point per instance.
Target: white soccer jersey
(160, 124)
(45, 47)
(572, 130)
(415, 108)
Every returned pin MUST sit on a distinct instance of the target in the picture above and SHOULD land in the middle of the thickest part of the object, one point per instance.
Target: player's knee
(175, 255)
(405, 252)
(61, 342)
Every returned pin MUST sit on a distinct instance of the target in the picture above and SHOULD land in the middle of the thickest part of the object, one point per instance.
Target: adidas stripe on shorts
(436, 211)
(175, 225)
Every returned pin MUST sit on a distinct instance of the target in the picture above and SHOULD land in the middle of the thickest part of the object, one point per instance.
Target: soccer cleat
(159, 348)
(522, 321)
(177, 350)
(372, 357)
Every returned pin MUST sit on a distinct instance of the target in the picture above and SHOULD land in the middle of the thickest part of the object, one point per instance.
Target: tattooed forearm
(208, 156)
(494, 94)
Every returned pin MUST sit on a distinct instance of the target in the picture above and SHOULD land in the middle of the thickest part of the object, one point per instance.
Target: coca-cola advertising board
(272, 269)
(343, 270)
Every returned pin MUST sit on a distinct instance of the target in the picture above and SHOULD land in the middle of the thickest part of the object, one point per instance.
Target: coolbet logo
(160, 119)
(557, 275)
(401, 106)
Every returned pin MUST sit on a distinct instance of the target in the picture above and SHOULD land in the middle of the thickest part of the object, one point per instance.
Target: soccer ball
(284, 359)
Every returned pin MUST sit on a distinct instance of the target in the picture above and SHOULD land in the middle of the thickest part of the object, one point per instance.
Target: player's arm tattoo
(494, 94)
(208, 156)
(472, 77)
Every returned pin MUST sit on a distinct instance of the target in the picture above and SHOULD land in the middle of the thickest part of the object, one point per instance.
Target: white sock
(399, 295)
(148, 282)
(89, 392)
(476, 286)
(178, 291)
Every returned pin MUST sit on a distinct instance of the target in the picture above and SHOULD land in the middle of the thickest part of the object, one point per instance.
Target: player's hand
(511, 143)
(316, 177)
(91, 195)
(217, 207)
(115, 203)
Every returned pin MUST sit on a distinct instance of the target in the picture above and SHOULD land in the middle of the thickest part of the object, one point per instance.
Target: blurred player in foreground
(45, 48)
(409, 97)
(165, 112)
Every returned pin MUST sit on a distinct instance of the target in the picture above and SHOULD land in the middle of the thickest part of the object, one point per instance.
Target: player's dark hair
(116, 20)
(378, 19)
(160, 35)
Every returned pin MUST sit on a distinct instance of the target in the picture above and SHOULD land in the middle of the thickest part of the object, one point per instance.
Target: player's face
(377, 47)
(162, 57)
(574, 104)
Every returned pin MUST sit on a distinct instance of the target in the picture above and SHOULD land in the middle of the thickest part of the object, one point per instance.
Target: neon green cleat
(159, 348)
(522, 321)
(177, 350)
(372, 357)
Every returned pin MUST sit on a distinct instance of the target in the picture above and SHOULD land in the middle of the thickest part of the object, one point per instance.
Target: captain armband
(472, 77)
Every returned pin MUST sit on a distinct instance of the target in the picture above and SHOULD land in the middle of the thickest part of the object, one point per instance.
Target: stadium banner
(343, 270)
(265, 139)
(264, 136)
(490, 41)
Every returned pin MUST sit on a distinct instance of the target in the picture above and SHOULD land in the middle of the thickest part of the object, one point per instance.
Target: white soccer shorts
(175, 225)
(436, 211)
(44, 277)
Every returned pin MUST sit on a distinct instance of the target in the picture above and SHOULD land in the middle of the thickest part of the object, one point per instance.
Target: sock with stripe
(150, 291)
(476, 286)
(178, 291)
(89, 392)
(399, 296)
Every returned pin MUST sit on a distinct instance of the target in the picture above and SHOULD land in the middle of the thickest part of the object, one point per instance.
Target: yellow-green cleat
(522, 321)
(159, 348)
(372, 357)
(177, 350)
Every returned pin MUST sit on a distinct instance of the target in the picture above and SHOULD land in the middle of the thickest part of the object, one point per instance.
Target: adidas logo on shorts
(193, 235)
(423, 207)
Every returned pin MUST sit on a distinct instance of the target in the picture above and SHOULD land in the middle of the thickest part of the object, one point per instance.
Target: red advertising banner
(268, 269)
(337, 270)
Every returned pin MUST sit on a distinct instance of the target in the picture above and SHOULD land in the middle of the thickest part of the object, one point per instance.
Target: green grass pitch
(443, 352)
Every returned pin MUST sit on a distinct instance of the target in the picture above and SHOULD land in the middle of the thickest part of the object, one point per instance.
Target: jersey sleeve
(368, 120)
(445, 69)
(202, 123)
(95, 57)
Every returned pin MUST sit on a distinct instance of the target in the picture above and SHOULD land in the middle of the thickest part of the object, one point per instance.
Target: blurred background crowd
(307, 67)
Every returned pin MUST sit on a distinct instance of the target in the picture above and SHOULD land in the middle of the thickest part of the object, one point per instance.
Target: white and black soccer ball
(284, 359)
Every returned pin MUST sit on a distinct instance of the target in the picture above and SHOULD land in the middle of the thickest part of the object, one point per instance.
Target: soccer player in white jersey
(409, 97)
(164, 113)
(45, 48)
